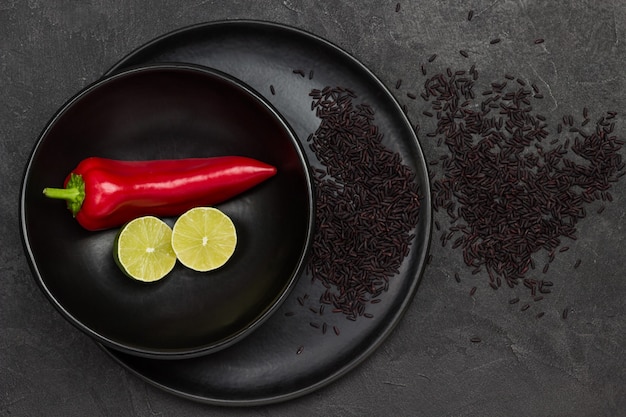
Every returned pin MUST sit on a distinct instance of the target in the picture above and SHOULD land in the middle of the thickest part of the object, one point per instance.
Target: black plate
(265, 367)
(169, 112)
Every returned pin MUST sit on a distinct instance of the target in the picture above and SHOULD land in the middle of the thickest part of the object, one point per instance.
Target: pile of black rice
(511, 186)
(367, 205)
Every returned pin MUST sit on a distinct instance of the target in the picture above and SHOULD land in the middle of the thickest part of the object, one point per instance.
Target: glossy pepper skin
(103, 193)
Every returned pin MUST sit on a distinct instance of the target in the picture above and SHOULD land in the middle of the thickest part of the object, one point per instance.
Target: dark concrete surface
(49, 49)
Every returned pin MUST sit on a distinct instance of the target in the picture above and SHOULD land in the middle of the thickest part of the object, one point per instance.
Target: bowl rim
(300, 265)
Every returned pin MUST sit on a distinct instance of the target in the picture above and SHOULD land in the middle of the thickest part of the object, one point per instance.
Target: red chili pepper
(103, 193)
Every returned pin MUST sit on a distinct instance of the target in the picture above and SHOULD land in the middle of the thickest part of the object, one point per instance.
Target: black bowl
(166, 112)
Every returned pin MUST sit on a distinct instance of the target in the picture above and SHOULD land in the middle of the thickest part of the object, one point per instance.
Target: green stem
(73, 193)
(69, 194)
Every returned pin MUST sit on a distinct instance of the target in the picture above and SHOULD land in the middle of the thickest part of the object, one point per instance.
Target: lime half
(143, 249)
(204, 238)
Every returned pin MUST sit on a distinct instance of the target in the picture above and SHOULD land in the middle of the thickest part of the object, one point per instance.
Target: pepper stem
(73, 193)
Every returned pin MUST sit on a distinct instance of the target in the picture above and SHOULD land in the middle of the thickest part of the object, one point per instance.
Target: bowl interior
(166, 112)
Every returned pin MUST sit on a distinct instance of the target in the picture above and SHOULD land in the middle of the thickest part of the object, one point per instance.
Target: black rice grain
(475, 340)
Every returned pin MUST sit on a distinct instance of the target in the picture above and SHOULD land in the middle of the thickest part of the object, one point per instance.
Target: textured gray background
(49, 49)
